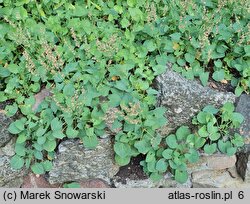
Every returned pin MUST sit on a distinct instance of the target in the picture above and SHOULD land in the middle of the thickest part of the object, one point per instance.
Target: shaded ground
(132, 171)
(223, 87)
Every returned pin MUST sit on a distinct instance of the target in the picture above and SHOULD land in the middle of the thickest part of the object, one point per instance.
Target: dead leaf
(2, 111)
(115, 78)
(176, 46)
(224, 81)
(213, 85)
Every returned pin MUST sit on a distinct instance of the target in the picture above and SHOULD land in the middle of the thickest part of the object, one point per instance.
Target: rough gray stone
(220, 161)
(217, 179)
(242, 164)
(184, 98)
(243, 107)
(247, 176)
(9, 177)
(212, 162)
(166, 182)
(39, 97)
(74, 162)
(5, 136)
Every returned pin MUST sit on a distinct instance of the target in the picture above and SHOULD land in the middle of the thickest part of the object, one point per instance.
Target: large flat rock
(217, 179)
(74, 162)
(166, 182)
(213, 162)
(184, 98)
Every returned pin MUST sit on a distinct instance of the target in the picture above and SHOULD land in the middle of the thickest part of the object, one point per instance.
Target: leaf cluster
(96, 56)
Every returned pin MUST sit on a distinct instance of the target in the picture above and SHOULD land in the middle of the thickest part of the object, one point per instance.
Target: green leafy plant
(213, 131)
(173, 155)
(109, 64)
(216, 126)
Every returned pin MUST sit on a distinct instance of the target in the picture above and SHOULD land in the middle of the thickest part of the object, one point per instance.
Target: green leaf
(20, 149)
(142, 146)
(56, 124)
(201, 117)
(171, 141)
(47, 165)
(118, 9)
(37, 168)
(16, 162)
(11, 110)
(58, 134)
(70, 67)
(203, 131)
(150, 156)
(19, 124)
(181, 176)
(155, 176)
(90, 142)
(136, 14)
(231, 151)
(151, 166)
(182, 132)
(181, 62)
(131, 3)
(222, 146)
(13, 129)
(167, 153)
(228, 107)
(2, 96)
(38, 155)
(40, 131)
(72, 185)
(195, 141)
(189, 58)
(161, 165)
(214, 136)
(155, 142)
(4, 72)
(71, 133)
(159, 69)
(210, 149)
(237, 140)
(237, 119)
(69, 90)
(150, 45)
(41, 140)
(13, 68)
(192, 156)
(218, 63)
(122, 161)
(19, 13)
(114, 100)
(49, 145)
(162, 59)
(218, 75)
(204, 78)
(210, 109)
(238, 90)
(90, 131)
(176, 37)
(247, 50)
(21, 138)
(125, 23)
(122, 149)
